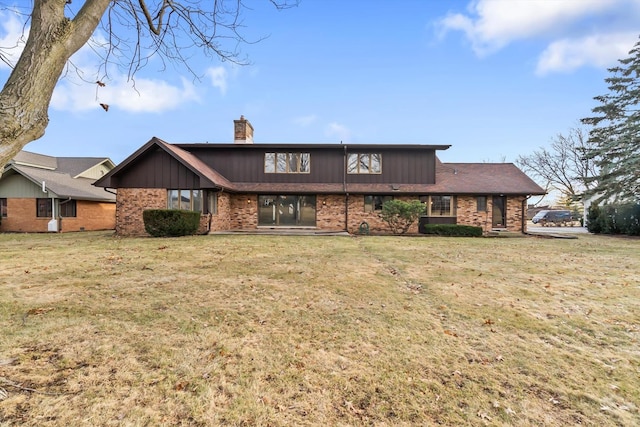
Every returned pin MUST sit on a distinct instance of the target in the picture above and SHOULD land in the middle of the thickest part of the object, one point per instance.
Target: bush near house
(614, 219)
(170, 222)
(453, 230)
(401, 215)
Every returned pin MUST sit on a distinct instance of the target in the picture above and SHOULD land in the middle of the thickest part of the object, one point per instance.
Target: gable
(155, 168)
(14, 185)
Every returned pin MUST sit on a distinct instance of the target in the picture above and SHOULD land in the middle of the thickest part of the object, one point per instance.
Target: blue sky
(492, 78)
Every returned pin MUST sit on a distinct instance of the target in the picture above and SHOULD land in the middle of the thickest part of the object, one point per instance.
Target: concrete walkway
(282, 232)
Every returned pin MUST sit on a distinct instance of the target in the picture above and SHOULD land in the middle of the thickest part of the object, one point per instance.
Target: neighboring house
(328, 187)
(41, 193)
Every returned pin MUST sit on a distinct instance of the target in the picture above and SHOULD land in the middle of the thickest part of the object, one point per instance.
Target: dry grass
(306, 330)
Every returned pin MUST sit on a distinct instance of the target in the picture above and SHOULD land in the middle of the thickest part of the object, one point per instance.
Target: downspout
(107, 190)
(344, 189)
(523, 215)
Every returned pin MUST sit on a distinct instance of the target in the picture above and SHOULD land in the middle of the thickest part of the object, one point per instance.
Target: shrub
(614, 219)
(453, 230)
(170, 222)
(400, 215)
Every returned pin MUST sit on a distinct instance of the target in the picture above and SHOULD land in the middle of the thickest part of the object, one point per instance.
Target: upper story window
(364, 163)
(287, 162)
(188, 200)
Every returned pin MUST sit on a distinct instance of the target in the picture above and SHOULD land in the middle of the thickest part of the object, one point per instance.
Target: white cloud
(600, 50)
(140, 95)
(143, 96)
(491, 24)
(305, 121)
(339, 131)
(219, 78)
(13, 36)
(578, 33)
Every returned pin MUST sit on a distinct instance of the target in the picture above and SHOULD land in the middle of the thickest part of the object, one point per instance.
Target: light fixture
(248, 200)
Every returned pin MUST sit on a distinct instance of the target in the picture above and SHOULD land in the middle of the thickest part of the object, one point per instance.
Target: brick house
(41, 193)
(325, 187)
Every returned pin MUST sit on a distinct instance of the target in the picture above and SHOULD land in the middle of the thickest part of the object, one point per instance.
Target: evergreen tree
(615, 136)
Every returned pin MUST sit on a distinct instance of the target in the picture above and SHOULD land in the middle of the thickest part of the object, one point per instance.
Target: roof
(61, 175)
(483, 178)
(281, 146)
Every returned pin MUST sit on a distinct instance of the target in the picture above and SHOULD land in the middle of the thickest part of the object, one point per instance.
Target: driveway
(532, 228)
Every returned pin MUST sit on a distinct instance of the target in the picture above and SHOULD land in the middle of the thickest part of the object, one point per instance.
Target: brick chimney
(242, 131)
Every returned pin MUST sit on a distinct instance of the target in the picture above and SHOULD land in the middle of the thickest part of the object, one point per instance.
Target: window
(188, 200)
(43, 208)
(364, 163)
(3, 207)
(212, 203)
(440, 205)
(374, 203)
(68, 209)
(287, 162)
(481, 203)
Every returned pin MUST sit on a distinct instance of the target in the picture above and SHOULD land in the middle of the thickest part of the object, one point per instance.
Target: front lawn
(318, 330)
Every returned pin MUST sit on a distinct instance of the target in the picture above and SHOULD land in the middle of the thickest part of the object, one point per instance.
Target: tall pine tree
(615, 136)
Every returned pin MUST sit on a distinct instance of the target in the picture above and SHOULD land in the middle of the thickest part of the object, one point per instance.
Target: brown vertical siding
(158, 169)
(245, 163)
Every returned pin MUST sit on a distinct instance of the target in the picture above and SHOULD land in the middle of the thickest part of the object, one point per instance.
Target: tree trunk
(25, 98)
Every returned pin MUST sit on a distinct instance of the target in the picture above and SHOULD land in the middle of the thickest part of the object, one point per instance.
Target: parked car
(553, 217)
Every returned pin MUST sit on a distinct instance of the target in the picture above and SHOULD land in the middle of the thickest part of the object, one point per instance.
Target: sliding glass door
(287, 211)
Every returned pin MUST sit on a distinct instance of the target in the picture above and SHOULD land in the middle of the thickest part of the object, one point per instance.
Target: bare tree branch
(565, 166)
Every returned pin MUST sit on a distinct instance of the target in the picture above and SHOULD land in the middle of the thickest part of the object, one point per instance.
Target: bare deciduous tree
(564, 166)
(136, 30)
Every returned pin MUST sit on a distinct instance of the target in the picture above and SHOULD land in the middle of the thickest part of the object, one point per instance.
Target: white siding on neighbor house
(95, 172)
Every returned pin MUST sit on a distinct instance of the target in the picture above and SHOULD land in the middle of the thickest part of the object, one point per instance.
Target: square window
(43, 208)
(68, 209)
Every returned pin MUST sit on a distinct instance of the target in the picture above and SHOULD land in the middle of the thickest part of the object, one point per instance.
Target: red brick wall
(243, 211)
(222, 219)
(240, 212)
(330, 212)
(357, 215)
(21, 217)
(91, 216)
(131, 202)
(468, 214)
